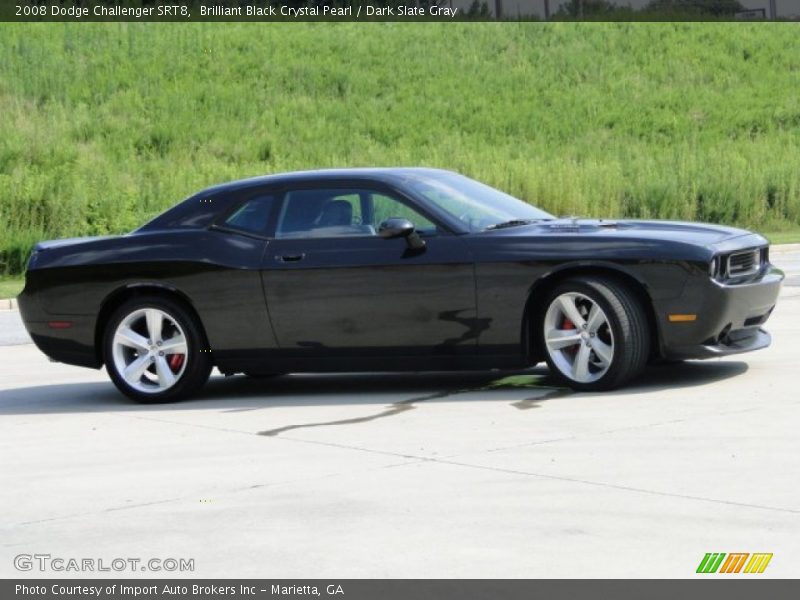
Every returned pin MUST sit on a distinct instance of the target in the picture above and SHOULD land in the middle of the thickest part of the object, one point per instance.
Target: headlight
(713, 267)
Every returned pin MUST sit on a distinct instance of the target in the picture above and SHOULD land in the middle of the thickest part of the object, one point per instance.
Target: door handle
(290, 257)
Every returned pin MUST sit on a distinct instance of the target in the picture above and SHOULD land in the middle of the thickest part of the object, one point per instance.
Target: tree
(478, 10)
(717, 8)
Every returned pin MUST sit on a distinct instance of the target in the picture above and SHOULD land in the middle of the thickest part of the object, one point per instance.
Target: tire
(155, 374)
(611, 343)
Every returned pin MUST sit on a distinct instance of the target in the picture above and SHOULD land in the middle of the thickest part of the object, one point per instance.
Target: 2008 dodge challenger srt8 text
(391, 269)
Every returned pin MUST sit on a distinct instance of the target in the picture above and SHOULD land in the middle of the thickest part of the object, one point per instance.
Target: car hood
(700, 234)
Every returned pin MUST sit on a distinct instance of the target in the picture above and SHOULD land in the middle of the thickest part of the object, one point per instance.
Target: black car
(391, 269)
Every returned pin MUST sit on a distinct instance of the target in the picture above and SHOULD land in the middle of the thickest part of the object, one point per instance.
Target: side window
(386, 207)
(252, 216)
(341, 213)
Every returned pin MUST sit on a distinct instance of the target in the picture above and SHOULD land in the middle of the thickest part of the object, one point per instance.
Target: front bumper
(745, 340)
(729, 317)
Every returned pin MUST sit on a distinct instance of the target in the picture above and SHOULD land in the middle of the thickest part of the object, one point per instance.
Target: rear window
(197, 211)
(252, 216)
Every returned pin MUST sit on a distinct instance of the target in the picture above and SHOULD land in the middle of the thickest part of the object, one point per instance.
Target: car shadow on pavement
(393, 391)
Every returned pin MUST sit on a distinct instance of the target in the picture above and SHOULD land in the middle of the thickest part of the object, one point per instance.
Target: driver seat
(336, 213)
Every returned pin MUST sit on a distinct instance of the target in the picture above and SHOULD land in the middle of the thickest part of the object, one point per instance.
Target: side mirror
(397, 228)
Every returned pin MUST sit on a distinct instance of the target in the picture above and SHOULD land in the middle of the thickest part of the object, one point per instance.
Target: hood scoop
(572, 225)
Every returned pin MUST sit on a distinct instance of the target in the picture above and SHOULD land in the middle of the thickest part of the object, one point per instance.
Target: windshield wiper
(512, 223)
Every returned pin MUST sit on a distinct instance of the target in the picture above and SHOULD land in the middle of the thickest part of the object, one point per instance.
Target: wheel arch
(125, 293)
(534, 305)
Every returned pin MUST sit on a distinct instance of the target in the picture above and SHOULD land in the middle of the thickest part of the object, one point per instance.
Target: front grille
(742, 264)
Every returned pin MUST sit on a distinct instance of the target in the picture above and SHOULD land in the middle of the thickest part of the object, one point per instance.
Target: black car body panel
(366, 303)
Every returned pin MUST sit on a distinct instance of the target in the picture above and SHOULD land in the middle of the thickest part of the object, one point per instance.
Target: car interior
(340, 213)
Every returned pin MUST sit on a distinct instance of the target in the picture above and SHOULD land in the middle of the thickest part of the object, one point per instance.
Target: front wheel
(154, 350)
(594, 332)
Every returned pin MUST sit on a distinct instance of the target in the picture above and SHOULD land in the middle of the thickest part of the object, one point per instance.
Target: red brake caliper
(175, 362)
(567, 324)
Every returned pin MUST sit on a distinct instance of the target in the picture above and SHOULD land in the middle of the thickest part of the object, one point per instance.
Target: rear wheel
(155, 350)
(594, 333)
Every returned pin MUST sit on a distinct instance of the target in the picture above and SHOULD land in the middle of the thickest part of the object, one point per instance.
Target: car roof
(193, 213)
(386, 174)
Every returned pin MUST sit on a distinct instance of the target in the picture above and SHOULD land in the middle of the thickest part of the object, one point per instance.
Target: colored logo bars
(713, 562)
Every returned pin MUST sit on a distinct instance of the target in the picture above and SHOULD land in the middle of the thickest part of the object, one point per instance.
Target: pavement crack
(392, 409)
(447, 461)
(625, 429)
(515, 381)
(621, 487)
(99, 511)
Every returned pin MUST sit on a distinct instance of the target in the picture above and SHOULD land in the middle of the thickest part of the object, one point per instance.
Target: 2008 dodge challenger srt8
(391, 269)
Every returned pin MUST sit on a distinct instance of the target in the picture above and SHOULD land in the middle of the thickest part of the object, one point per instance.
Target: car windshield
(477, 205)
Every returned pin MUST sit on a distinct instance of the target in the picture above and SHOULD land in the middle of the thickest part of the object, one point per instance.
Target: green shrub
(103, 125)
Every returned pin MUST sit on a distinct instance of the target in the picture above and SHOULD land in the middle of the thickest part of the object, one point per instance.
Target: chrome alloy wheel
(578, 337)
(149, 350)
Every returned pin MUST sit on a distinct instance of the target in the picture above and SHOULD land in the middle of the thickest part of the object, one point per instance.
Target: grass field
(10, 287)
(784, 237)
(104, 125)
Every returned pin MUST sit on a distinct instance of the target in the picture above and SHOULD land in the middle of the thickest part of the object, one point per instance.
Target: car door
(334, 287)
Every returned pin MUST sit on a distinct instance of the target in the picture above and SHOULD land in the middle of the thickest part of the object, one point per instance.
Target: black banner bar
(399, 589)
(265, 11)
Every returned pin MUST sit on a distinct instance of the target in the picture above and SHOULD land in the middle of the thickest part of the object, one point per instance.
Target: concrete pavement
(410, 475)
(12, 331)
(790, 263)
